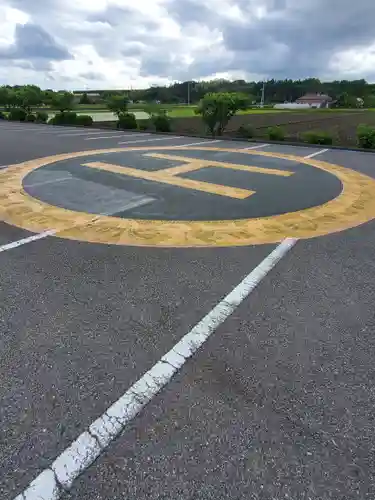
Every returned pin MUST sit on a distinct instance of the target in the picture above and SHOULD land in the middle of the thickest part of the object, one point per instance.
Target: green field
(185, 111)
(174, 111)
(99, 112)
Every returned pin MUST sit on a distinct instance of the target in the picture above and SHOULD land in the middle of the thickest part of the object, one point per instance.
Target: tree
(10, 97)
(369, 101)
(218, 108)
(47, 97)
(118, 104)
(28, 97)
(4, 97)
(62, 101)
(85, 99)
(348, 101)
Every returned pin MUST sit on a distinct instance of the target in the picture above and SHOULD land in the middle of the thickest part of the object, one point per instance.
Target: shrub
(127, 121)
(366, 137)
(62, 101)
(144, 125)
(118, 104)
(30, 117)
(17, 114)
(84, 120)
(317, 137)
(161, 122)
(276, 134)
(2, 116)
(218, 108)
(64, 118)
(41, 116)
(246, 132)
(85, 99)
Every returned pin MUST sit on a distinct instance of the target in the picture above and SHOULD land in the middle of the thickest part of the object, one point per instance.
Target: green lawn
(100, 113)
(258, 111)
(181, 111)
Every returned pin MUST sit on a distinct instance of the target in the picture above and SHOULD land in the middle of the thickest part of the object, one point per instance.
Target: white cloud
(352, 61)
(122, 43)
(9, 17)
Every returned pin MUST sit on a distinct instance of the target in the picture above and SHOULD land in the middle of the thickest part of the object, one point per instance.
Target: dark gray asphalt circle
(278, 404)
(71, 185)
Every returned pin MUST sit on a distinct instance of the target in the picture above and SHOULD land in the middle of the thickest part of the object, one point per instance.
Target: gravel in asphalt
(278, 404)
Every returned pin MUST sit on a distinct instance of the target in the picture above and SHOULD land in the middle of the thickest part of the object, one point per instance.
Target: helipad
(186, 198)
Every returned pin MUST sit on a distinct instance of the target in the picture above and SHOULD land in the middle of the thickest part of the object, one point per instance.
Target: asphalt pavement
(277, 403)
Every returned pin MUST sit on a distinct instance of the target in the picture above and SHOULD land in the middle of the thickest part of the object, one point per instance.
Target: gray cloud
(155, 64)
(125, 17)
(191, 11)
(91, 75)
(115, 32)
(261, 39)
(113, 15)
(133, 49)
(291, 39)
(36, 5)
(297, 39)
(33, 42)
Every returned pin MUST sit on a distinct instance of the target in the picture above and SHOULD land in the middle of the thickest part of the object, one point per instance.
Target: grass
(182, 111)
(257, 111)
(186, 111)
(91, 110)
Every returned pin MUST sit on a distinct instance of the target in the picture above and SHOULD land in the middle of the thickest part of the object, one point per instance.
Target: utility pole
(262, 99)
(188, 93)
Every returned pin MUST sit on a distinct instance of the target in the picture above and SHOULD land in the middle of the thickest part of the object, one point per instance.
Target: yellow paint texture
(171, 179)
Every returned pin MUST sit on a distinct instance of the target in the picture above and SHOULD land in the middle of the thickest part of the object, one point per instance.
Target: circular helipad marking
(355, 205)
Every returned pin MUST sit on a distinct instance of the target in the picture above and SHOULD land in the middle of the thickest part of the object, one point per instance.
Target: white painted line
(75, 459)
(18, 129)
(78, 133)
(258, 146)
(134, 134)
(29, 239)
(150, 140)
(64, 130)
(91, 443)
(52, 232)
(51, 181)
(54, 129)
(316, 153)
(196, 143)
(43, 488)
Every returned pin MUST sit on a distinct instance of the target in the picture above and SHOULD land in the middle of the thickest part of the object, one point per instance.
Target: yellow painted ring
(355, 205)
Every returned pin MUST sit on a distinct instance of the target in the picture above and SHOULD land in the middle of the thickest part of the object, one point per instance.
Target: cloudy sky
(98, 44)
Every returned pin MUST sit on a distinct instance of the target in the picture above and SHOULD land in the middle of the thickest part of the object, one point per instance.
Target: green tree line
(276, 91)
